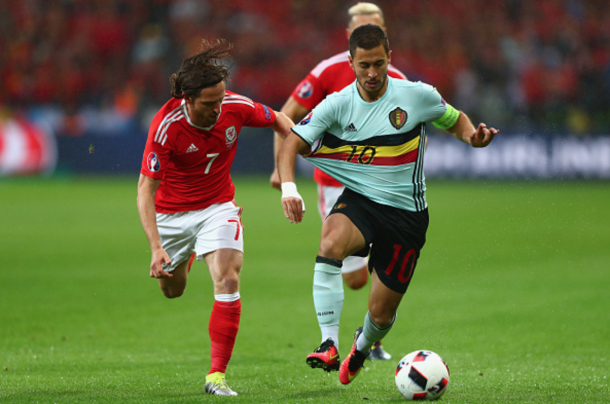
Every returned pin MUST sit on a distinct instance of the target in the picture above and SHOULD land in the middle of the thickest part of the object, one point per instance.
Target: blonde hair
(365, 9)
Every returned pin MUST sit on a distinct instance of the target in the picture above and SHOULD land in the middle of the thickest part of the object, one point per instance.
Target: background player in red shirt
(329, 76)
(186, 196)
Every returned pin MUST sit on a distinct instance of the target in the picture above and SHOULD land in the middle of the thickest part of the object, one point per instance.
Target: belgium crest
(398, 117)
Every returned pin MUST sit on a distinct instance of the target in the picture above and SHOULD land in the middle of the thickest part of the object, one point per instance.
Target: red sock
(224, 323)
(191, 262)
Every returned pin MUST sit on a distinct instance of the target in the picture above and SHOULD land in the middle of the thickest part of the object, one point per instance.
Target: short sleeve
(316, 123)
(156, 157)
(309, 92)
(260, 116)
(433, 106)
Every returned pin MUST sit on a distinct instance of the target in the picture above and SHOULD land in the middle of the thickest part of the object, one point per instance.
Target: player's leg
(383, 303)
(176, 233)
(395, 250)
(174, 287)
(355, 275)
(327, 292)
(355, 269)
(225, 266)
(340, 238)
(355, 272)
(220, 242)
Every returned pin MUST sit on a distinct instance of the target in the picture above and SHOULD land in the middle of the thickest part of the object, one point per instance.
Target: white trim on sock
(227, 298)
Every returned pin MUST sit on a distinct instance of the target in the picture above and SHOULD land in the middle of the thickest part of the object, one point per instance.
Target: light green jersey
(376, 148)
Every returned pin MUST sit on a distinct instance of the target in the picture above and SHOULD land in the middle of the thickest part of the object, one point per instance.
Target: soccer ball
(422, 375)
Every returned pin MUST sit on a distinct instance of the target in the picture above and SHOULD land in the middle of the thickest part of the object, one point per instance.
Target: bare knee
(357, 279)
(173, 287)
(172, 292)
(227, 284)
(329, 248)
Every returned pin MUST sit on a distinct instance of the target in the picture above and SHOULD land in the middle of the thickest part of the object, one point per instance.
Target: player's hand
(275, 180)
(482, 136)
(160, 259)
(292, 202)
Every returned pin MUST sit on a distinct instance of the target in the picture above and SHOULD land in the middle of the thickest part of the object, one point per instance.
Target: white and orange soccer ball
(422, 375)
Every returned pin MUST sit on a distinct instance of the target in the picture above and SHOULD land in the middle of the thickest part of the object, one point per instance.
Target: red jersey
(194, 163)
(329, 76)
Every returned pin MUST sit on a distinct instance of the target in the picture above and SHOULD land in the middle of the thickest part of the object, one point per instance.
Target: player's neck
(194, 120)
(191, 116)
(369, 96)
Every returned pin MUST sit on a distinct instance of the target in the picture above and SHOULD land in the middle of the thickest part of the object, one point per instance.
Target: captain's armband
(448, 119)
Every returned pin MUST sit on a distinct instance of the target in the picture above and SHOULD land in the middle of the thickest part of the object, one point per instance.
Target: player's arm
(281, 128)
(464, 130)
(147, 187)
(292, 202)
(294, 111)
(459, 125)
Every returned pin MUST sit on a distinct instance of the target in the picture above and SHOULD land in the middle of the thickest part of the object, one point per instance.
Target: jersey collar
(383, 97)
(188, 119)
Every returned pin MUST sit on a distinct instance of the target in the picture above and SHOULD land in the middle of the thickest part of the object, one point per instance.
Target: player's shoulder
(339, 61)
(400, 83)
(167, 120)
(340, 100)
(172, 107)
(172, 111)
(236, 101)
(343, 95)
(239, 109)
(418, 86)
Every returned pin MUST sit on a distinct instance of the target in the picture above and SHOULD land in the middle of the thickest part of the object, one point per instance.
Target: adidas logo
(350, 128)
(192, 148)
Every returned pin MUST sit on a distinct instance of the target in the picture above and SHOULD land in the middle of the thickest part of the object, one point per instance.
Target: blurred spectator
(96, 65)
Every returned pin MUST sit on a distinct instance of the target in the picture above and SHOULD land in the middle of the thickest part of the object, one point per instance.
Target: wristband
(289, 189)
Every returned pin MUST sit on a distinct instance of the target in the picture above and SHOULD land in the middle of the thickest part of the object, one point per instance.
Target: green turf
(512, 289)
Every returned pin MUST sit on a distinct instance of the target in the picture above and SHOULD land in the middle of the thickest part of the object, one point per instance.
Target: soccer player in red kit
(186, 196)
(329, 76)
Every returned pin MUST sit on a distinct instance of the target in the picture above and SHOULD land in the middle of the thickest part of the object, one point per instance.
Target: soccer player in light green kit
(370, 136)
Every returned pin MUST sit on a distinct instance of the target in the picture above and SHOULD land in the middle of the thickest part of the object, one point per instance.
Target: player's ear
(351, 61)
(389, 57)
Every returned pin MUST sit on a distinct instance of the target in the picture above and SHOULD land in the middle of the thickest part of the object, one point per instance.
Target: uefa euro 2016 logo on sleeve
(307, 118)
(305, 90)
(153, 162)
(267, 113)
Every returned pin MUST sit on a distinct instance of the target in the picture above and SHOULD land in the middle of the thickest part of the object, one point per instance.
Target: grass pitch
(512, 290)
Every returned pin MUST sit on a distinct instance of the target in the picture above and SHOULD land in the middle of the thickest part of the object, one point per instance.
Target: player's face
(205, 109)
(371, 68)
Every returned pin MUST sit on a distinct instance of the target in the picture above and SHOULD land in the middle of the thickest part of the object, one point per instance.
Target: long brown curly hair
(202, 70)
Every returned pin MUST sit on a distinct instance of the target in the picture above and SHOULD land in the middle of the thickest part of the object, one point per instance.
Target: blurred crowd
(103, 66)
